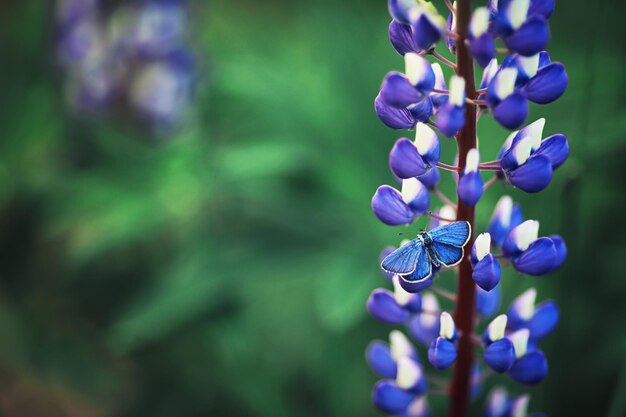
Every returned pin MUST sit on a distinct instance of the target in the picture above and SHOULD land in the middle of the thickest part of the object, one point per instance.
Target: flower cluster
(423, 101)
(135, 56)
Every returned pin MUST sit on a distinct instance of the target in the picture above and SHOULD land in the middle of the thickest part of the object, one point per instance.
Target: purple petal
(500, 355)
(398, 92)
(530, 369)
(390, 398)
(512, 111)
(450, 119)
(487, 272)
(542, 7)
(483, 49)
(561, 251)
(424, 331)
(547, 85)
(431, 178)
(441, 353)
(531, 37)
(422, 110)
(532, 176)
(425, 33)
(538, 259)
(470, 188)
(399, 10)
(401, 37)
(392, 117)
(544, 320)
(379, 359)
(405, 161)
(555, 148)
(389, 207)
(488, 302)
(383, 306)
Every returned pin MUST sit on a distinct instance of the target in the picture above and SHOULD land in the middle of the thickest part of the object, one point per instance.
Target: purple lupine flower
(530, 366)
(505, 217)
(499, 404)
(488, 302)
(538, 78)
(424, 327)
(528, 161)
(482, 44)
(451, 114)
(522, 27)
(395, 208)
(393, 307)
(383, 357)
(499, 351)
(442, 350)
(486, 268)
(414, 159)
(508, 106)
(531, 254)
(470, 187)
(540, 320)
(411, 100)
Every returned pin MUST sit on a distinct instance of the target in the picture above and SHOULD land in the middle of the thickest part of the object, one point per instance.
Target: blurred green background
(224, 271)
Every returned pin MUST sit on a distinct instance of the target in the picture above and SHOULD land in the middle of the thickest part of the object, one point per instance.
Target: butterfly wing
(423, 268)
(403, 260)
(453, 234)
(448, 255)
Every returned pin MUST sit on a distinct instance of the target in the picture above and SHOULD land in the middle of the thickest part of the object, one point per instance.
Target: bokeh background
(212, 255)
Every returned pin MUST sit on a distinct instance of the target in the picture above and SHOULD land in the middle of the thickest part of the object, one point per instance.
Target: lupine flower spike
(420, 100)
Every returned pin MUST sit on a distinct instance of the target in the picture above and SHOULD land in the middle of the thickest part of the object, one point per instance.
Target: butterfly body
(440, 247)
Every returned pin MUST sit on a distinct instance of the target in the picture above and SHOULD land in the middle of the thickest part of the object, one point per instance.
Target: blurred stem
(465, 310)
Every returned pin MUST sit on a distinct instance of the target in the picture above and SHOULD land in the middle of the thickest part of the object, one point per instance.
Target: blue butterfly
(439, 247)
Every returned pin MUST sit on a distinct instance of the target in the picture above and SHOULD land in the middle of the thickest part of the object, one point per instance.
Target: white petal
(446, 327)
(498, 401)
(489, 71)
(440, 81)
(430, 304)
(520, 342)
(409, 373)
(411, 188)
(480, 22)
(517, 12)
(471, 161)
(525, 234)
(530, 64)
(503, 211)
(482, 245)
(457, 90)
(401, 296)
(519, 408)
(534, 132)
(505, 82)
(522, 151)
(399, 345)
(417, 408)
(425, 138)
(497, 327)
(524, 305)
(415, 67)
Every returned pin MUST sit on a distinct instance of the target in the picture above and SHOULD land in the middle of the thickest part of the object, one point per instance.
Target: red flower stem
(490, 182)
(444, 293)
(450, 6)
(465, 312)
(444, 60)
(440, 91)
(438, 217)
(443, 198)
(447, 167)
(489, 168)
